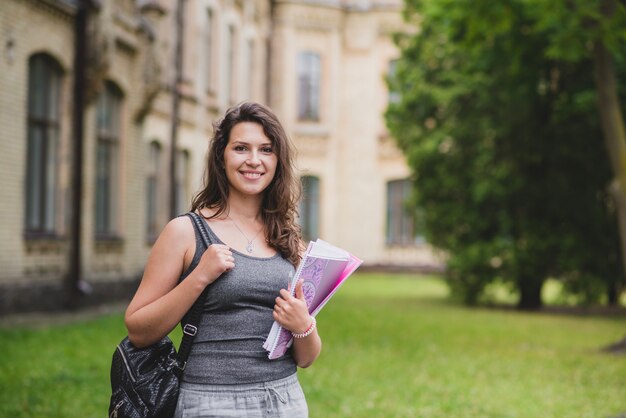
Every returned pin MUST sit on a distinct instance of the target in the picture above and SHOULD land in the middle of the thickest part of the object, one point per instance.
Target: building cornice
(66, 6)
(348, 6)
(309, 15)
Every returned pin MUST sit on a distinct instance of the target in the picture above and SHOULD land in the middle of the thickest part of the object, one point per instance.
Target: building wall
(348, 148)
(21, 259)
(132, 45)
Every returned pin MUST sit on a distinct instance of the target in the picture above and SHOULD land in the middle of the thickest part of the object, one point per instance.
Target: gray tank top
(237, 316)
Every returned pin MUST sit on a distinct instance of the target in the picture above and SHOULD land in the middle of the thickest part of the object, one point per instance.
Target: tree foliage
(498, 119)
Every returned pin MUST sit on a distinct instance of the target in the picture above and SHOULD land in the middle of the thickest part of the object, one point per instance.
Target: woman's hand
(291, 312)
(216, 260)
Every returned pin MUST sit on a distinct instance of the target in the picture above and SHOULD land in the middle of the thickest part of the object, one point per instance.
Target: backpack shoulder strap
(192, 318)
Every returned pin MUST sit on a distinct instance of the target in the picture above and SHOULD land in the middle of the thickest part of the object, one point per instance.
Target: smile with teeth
(251, 174)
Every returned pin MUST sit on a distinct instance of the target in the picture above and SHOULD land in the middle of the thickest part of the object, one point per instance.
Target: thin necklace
(250, 246)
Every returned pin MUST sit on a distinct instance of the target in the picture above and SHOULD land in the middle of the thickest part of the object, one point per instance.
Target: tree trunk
(612, 294)
(612, 123)
(530, 293)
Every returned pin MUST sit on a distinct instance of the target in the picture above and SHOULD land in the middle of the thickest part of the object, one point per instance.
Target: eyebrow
(240, 142)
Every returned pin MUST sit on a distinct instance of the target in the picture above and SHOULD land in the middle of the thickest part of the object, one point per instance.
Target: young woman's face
(249, 159)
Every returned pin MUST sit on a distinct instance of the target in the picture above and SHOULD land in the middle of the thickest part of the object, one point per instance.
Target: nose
(253, 159)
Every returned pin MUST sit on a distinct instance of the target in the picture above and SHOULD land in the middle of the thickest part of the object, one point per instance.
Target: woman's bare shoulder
(178, 231)
(179, 225)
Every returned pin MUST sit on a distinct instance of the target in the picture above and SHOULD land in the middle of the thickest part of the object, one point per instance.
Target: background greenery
(394, 346)
(500, 114)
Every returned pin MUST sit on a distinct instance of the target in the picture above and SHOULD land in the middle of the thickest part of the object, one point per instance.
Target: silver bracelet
(308, 331)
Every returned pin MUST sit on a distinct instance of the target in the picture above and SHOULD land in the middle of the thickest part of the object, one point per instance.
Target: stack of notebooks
(323, 269)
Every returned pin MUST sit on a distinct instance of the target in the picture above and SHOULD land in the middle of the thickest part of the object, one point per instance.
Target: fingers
(283, 306)
(286, 303)
(291, 313)
(299, 291)
(227, 262)
(275, 315)
(221, 249)
(221, 256)
(228, 259)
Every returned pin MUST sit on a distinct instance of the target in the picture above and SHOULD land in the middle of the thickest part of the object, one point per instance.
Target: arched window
(108, 142)
(308, 86)
(153, 187)
(44, 94)
(310, 207)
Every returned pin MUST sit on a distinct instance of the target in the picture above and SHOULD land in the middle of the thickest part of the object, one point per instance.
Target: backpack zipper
(130, 372)
(114, 412)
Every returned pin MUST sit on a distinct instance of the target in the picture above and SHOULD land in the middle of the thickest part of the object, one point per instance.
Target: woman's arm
(292, 314)
(160, 302)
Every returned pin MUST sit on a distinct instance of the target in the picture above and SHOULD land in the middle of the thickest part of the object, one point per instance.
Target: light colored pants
(281, 398)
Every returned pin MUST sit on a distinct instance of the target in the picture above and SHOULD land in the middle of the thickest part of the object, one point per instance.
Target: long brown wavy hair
(280, 198)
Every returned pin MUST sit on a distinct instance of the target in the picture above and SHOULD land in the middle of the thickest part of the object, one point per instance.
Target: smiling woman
(249, 203)
(249, 160)
(248, 142)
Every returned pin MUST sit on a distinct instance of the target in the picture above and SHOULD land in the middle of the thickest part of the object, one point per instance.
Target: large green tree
(580, 29)
(507, 150)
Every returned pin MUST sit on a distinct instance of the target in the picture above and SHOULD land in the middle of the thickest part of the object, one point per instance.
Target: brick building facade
(319, 64)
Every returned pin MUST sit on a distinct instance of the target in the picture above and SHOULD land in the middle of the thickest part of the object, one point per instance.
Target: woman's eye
(240, 148)
(267, 150)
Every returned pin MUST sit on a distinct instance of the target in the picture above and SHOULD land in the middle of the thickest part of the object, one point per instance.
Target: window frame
(153, 187)
(43, 136)
(394, 96)
(401, 228)
(309, 207)
(309, 76)
(109, 111)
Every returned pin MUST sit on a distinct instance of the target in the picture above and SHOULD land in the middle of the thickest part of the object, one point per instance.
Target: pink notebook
(324, 268)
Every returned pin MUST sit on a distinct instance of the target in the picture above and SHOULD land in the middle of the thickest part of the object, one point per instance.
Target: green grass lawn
(393, 347)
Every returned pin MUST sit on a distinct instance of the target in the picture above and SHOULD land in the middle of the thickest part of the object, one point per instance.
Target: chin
(252, 191)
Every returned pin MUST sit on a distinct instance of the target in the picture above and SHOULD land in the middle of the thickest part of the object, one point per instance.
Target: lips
(251, 175)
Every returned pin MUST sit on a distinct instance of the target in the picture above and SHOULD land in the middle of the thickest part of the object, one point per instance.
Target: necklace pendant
(250, 247)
